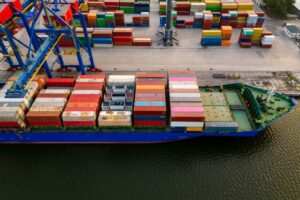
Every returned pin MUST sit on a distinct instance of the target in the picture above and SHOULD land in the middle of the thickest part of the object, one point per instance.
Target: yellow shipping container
(216, 20)
(211, 33)
(150, 87)
(245, 6)
(194, 129)
(232, 6)
(84, 7)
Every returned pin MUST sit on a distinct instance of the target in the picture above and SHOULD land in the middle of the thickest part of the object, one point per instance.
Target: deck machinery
(55, 28)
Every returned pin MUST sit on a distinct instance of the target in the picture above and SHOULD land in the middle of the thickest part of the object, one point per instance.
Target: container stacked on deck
(260, 20)
(225, 19)
(84, 103)
(187, 113)
(142, 41)
(245, 5)
(47, 109)
(197, 7)
(118, 102)
(92, 5)
(245, 37)
(81, 38)
(102, 37)
(162, 8)
(226, 35)
(211, 38)
(234, 17)
(122, 36)
(150, 101)
(127, 6)
(242, 19)
(13, 110)
(216, 19)
(218, 116)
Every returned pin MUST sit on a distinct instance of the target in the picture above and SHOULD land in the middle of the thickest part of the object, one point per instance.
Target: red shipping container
(150, 99)
(45, 123)
(81, 109)
(149, 123)
(90, 87)
(15, 3)
(150, 110)
(60, 82)
(9, 124)
(72, 100)
(5, 13)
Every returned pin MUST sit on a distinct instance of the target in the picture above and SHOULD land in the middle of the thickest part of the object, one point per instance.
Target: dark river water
(264, 167)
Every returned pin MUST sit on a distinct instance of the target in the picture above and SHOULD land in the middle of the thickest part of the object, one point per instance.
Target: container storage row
(150, 101)
(217, 37)
(117, 18)
(187, 113)
(107, 37)
(117, 102)
(128, 6)
(208, 19)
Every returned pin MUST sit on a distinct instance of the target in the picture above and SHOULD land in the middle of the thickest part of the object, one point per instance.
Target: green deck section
(233, 98)
(242, 119)
(213, 99)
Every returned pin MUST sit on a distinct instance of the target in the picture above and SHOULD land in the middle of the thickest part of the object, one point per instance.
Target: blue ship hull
(98, 137)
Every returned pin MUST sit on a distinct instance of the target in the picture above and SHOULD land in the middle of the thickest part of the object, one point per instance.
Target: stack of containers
(260, 20)
(234, 16)
(84, 103)
(228, 5)
(111, 5)
(127, 6)
(244, 5)
(189, 23)
(141, 6)
(267, 40)
(141, 20)
(145, 19)
(211, 38)
(245, 37)
(198, 19)
(242, 19)
(110, 19)
(197, 7)
(162, 8)
(174, 18)
(119, 18)
(122, 36)
(187, 113)
(252, 19)
(47, 109)
(92, 18)
(102, 37)
(13, 110)
(183, 8)
(226, 35)
(213, 5)
(207, 19)
(150, 101)
(256, 37)
(225, 19)
(142, 41)
(84, 7)
(81, 38)
(92, 5)
(118, 102)
(216, 19)
(101, 20)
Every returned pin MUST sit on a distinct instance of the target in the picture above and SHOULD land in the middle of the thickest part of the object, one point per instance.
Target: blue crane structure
(43, 48)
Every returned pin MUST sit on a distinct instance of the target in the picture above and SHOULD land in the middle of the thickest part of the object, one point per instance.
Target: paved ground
(284, 56)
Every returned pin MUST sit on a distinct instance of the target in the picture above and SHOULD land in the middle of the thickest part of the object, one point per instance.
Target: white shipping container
(50, 100)
(196, 95)
(79, 116)
(187, 124)
(183, 86)
(87, 92)
(55, 91)
(47, 109)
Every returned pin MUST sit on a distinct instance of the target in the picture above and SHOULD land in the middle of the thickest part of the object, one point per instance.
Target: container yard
(79, 37)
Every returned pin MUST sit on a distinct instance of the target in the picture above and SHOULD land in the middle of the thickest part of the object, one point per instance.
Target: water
(265, 167)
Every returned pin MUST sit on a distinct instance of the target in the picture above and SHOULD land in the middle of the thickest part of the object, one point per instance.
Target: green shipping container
(127, 9)
(101, 22)
(213, 8)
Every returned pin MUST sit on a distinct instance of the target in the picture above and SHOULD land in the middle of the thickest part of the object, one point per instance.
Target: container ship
(136, 108)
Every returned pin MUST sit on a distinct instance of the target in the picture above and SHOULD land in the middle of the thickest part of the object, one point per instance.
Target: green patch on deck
(218, 114)
(241, 118)
(233, 98)
(213, 99)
